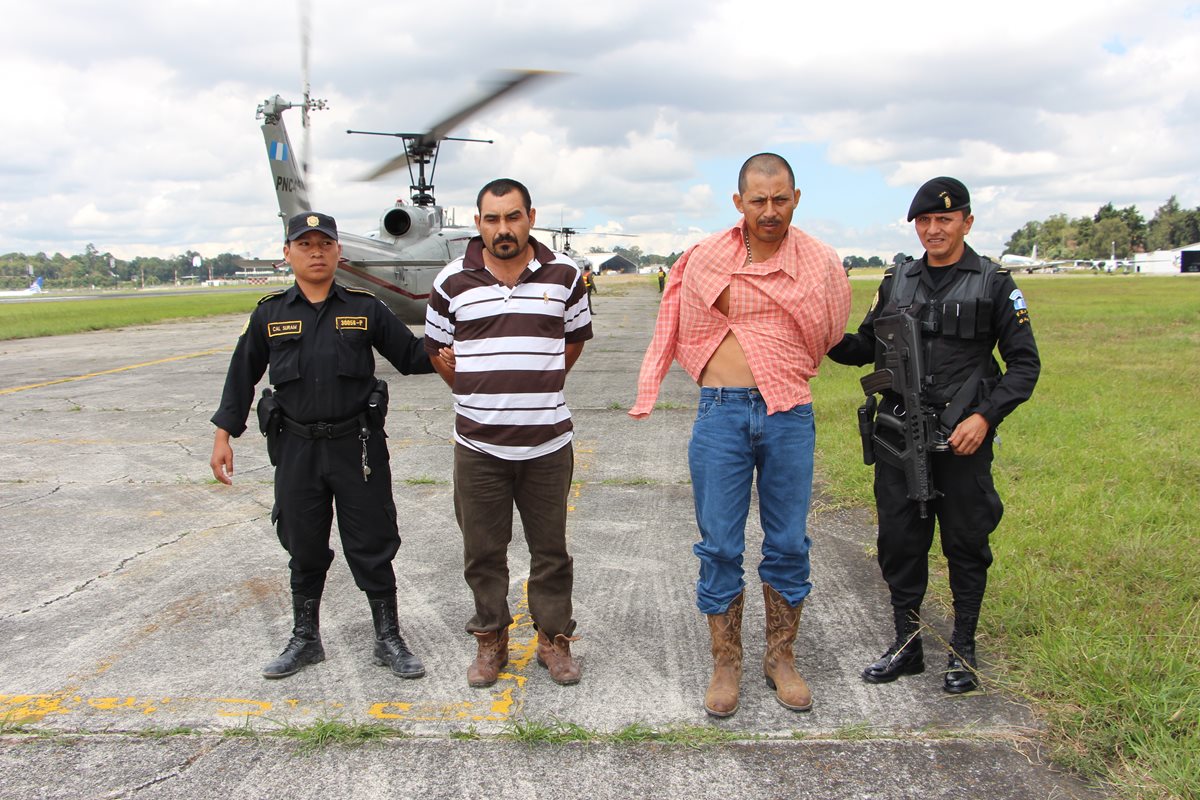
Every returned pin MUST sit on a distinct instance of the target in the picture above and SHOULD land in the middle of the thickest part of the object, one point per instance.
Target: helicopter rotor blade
(511, 81)
(399, 162)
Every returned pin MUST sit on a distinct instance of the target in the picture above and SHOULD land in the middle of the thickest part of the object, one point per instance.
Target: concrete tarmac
(139, 600)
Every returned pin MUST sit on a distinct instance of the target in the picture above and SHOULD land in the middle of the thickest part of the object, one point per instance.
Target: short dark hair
(501, 187)
(768, 164)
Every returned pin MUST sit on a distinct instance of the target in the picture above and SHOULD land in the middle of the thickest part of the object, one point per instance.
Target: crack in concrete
(124, 563)
(33, 499)
(426, 423)
(178, 771)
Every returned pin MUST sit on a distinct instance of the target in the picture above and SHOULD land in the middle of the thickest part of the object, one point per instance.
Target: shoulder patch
(1019, 307)
(267, 297)
(357, 290)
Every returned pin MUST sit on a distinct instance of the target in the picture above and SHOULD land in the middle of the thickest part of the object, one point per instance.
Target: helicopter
(566, 233)
(399, 261)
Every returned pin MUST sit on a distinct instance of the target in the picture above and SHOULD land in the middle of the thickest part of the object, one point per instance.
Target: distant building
(1169, 262)
(607, 263)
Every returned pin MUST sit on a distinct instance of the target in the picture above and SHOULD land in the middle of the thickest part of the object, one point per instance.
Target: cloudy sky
(131, 124)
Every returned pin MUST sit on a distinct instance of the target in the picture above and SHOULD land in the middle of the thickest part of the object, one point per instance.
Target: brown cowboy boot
(490, 657)
(556, 656)
(779, 666)
(721, 699)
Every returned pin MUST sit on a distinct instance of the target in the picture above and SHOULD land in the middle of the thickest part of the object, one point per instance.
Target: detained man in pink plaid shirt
(750, 313)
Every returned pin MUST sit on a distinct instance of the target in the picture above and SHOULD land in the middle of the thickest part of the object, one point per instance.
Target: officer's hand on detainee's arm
(443, 364)
(222, 457)
(968, 435)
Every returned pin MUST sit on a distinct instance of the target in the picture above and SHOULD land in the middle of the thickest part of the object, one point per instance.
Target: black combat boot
(305, 645)
(961, 675)
(390, 649)
(906, 656)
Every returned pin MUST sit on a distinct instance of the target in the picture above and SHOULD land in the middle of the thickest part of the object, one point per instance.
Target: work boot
(490, 658)
(779, 667)
(721, 699)
(906, 656)
(304, 647)
(390, 649)
(961, 675)
(555, 655)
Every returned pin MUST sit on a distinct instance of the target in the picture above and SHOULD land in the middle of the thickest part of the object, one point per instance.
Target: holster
(270, 423)
(866, 428)
(377, 405)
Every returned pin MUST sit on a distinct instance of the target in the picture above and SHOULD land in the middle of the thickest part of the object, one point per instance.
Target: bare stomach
(727, 366)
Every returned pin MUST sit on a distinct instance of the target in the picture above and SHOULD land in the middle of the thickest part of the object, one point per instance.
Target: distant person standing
(966, 307)
(325, 436)
(589, 283)
(662, 280)
(516, 315)
(750, 314)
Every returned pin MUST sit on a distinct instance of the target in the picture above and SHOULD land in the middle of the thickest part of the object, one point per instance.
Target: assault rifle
(903, 373)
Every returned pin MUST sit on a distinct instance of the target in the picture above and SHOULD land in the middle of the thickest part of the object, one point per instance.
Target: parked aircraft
(1032, 263)
(399, 261)
(34, 288)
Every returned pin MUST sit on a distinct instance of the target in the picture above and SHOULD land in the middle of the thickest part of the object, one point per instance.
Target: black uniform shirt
(956, 358)
(321, 362)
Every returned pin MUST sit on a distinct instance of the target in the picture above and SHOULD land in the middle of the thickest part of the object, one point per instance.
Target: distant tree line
(1096, 237)
(103, 270)
(858, 262)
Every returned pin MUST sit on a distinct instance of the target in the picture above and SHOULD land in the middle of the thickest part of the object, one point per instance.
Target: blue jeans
(733, 436)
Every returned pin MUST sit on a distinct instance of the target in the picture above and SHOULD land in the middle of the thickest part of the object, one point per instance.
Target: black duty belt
(322, 430)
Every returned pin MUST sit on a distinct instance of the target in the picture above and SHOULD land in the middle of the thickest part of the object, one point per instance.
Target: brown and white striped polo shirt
(509, 348)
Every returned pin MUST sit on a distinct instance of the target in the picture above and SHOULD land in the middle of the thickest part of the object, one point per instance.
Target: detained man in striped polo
(516, 314)
(749, 313)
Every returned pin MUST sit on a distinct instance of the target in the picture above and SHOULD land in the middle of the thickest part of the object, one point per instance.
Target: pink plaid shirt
(785, 312)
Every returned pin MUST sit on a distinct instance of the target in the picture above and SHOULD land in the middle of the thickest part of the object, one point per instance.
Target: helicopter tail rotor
(305, 40)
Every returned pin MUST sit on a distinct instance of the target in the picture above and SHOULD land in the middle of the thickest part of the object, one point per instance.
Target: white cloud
(135, 131)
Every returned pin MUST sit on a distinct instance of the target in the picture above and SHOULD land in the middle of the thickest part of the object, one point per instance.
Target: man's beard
(503, 240)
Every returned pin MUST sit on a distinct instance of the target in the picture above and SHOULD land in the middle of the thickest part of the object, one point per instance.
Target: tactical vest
(956, 329)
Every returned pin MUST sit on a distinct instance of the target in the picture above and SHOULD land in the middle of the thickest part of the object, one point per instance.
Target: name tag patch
(350, 323)
(290, 328)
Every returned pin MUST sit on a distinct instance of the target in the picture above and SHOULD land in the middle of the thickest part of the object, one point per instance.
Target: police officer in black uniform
(326, 436)
(966, 305)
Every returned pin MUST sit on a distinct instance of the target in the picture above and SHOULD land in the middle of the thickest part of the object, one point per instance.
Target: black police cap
(311, 221)
(939, 194)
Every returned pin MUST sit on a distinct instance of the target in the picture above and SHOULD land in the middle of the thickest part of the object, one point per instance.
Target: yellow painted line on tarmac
(16, 389)
(499, 703)
(584, 464)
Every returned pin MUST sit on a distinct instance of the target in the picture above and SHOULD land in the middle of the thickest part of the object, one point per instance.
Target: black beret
(311, 221)
(939, 194)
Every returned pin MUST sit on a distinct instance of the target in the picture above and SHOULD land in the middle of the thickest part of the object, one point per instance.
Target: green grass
(423, 480)
(555, 731)
(1093, 604)
(24, 320)
(329, 732)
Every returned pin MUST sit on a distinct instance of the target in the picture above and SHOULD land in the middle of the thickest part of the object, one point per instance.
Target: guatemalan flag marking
(278, 151)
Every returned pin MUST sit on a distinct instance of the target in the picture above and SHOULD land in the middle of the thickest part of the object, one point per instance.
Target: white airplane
(1032, 263)
(34, 288)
